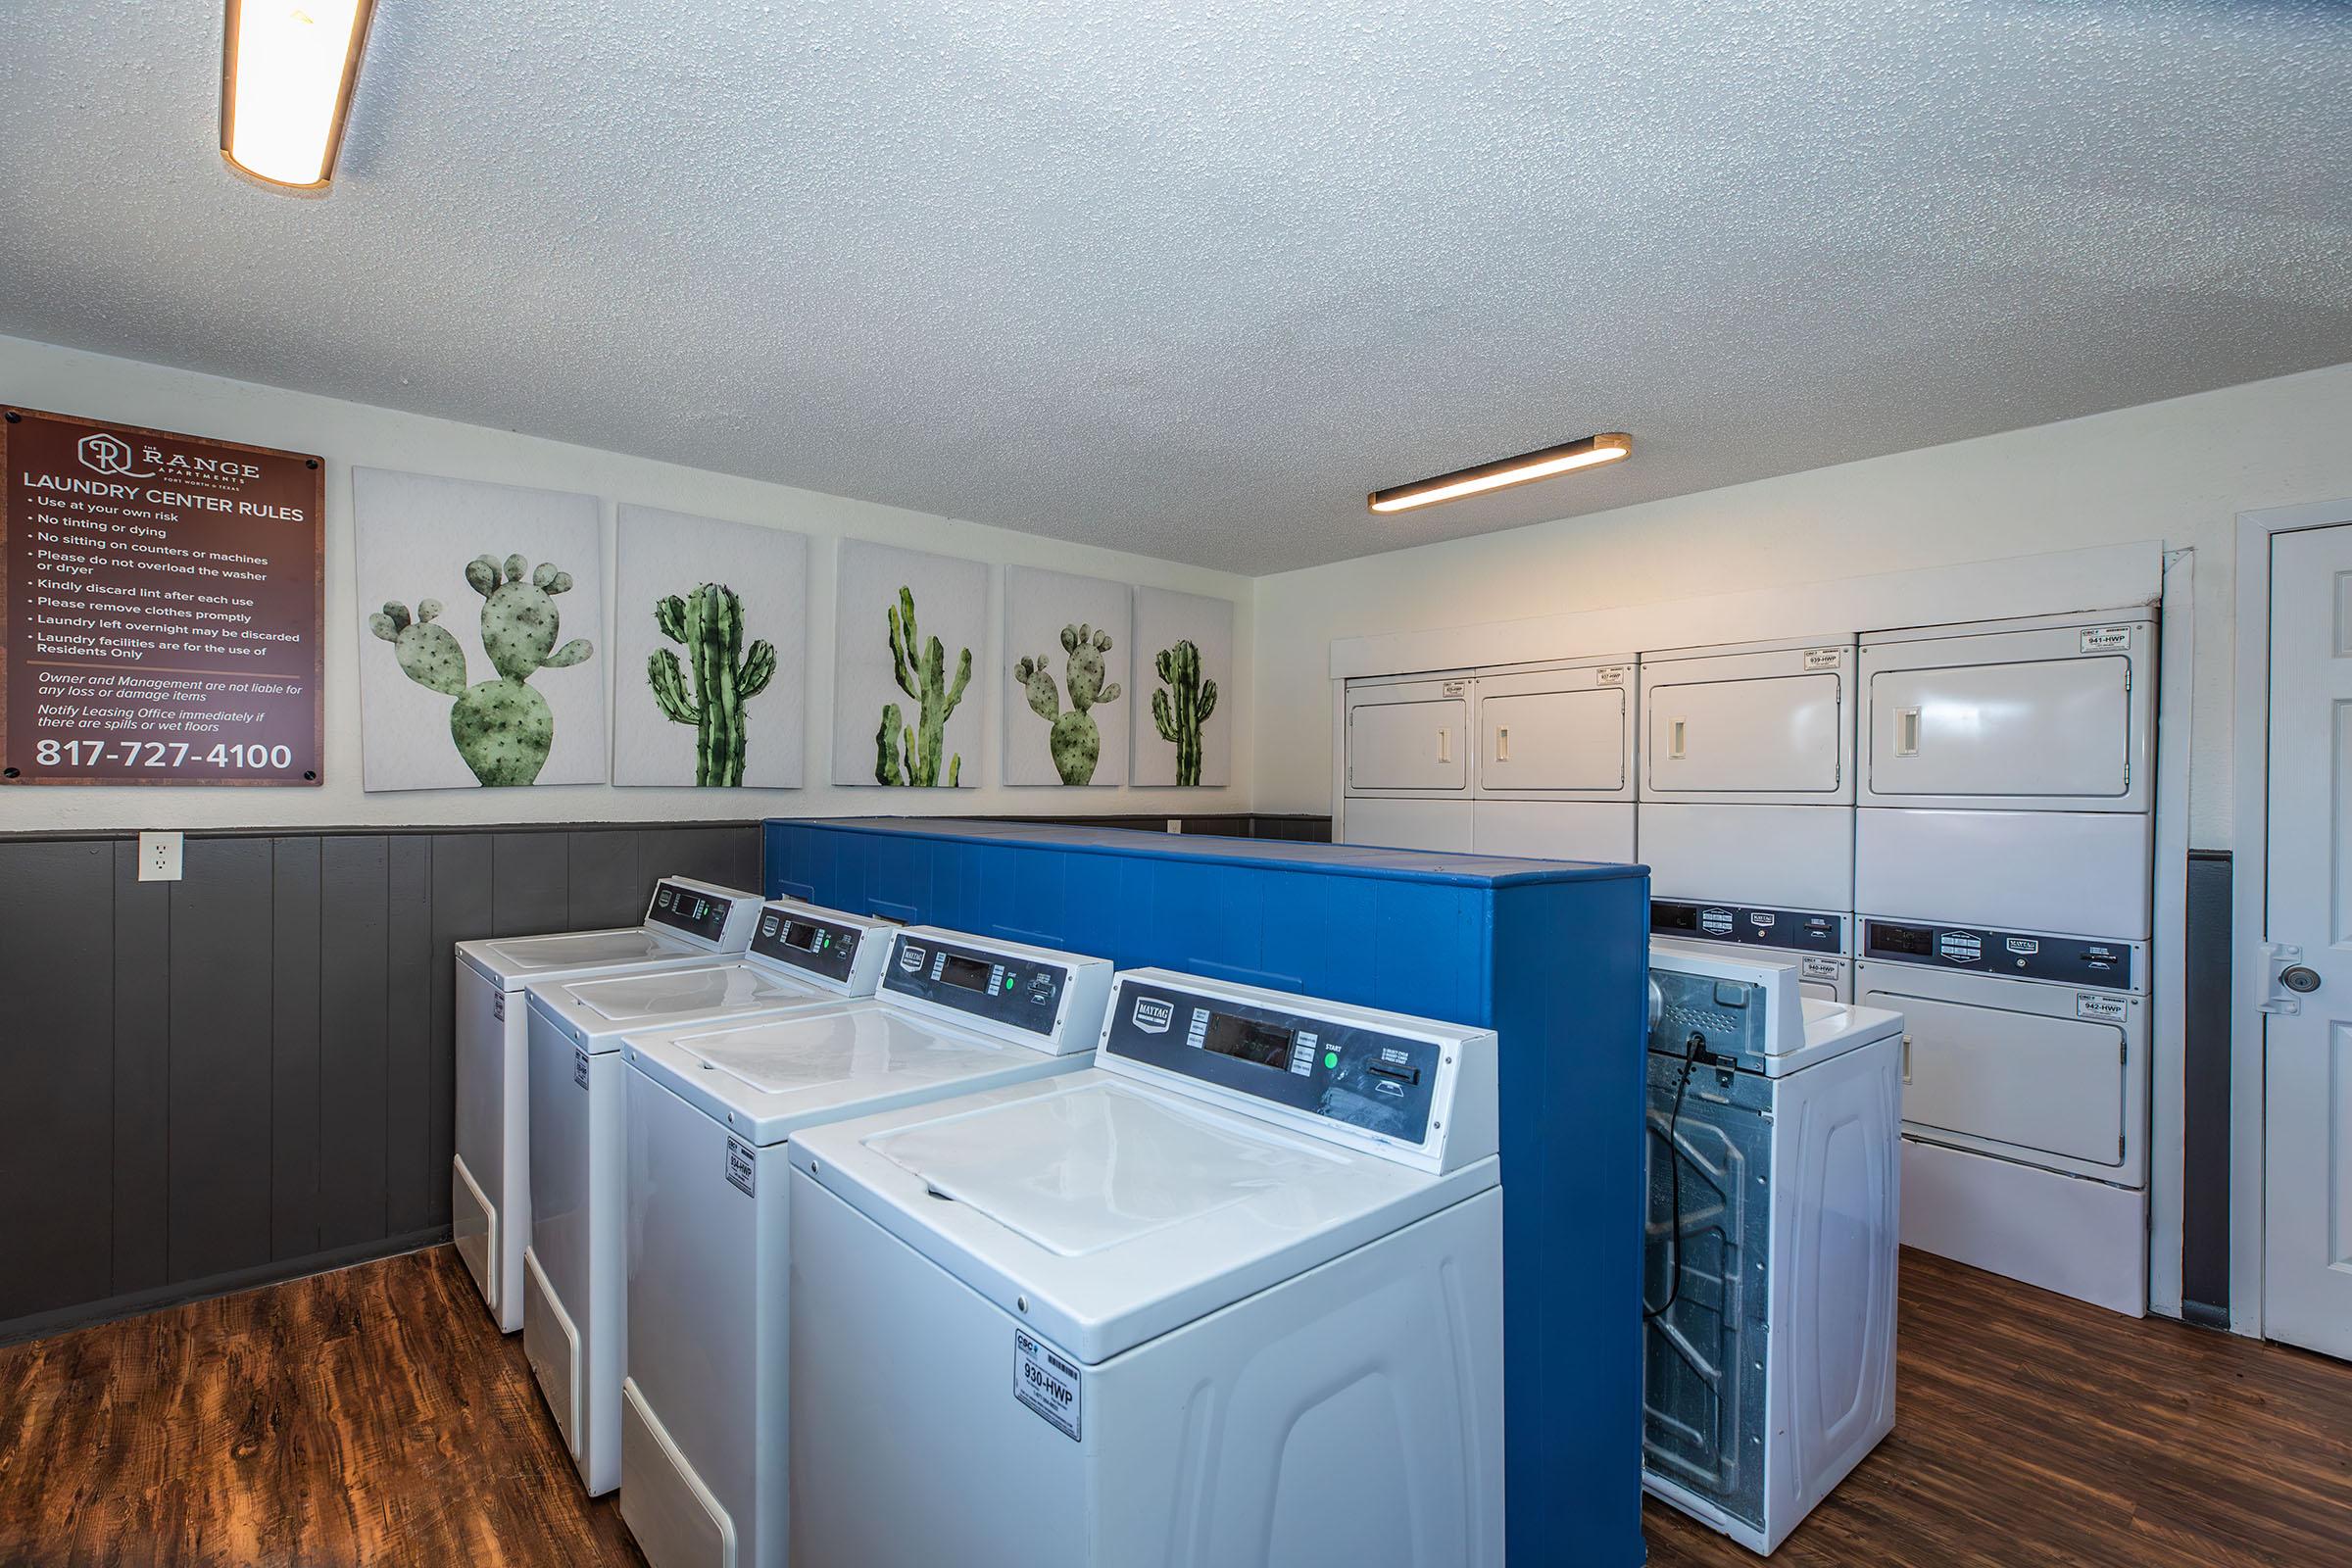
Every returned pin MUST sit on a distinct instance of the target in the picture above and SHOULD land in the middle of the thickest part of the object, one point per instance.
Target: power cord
(1673, 1182)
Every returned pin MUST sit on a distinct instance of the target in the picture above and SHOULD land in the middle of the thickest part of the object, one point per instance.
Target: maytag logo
(911, 958)
(1154, 1015)
(107, 453)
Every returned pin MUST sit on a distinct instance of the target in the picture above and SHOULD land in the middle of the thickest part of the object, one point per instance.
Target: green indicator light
(1331, 1058)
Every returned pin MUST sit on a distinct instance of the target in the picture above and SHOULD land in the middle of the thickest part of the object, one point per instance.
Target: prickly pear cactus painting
(1075, 740)
(910, 754)
(715, 700)
(1183, 705)
(502, 727)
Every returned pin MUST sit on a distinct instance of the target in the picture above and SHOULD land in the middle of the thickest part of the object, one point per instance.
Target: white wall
(2179, 472)
(348, 434)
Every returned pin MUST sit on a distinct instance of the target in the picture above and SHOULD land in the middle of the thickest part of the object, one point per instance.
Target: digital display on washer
(1248, 1040)
(970, 973)
(808, 945)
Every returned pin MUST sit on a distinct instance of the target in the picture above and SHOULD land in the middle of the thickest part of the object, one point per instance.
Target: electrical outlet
(159, 857)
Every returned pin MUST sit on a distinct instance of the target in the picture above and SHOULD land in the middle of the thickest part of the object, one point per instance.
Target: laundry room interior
(867, 786)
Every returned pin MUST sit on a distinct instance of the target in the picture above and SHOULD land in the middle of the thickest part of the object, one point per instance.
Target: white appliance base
(2066, 1233)
(677, 1522)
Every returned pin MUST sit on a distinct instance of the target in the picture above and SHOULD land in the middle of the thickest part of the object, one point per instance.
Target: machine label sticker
(740, 1171)
(1610, 675)
(1154, 1015)
(498, 1005)
(1455, 688)
(1824, 657)
(2107, 1009)
(2106, 639)
(1715, 922)
(579, 1068)
(1045, 1383)
(1820, 969)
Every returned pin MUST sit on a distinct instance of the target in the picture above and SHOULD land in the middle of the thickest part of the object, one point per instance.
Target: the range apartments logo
(110, 454)
(104, 451)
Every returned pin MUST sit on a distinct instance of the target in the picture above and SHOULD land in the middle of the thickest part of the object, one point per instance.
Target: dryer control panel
(992, 983)
(1339, 1071)
(2019, 954)
(1798, 930)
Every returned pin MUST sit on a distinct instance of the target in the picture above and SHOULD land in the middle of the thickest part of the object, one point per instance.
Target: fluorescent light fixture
(286, 72)
(1520, 470)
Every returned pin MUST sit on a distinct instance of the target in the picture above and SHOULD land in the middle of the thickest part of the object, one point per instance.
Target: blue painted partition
(1552, 955)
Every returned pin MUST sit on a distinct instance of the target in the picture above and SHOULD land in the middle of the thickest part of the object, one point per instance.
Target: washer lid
(512, 960)
(1104, 1213)
(595, 1013)
(766, 1077)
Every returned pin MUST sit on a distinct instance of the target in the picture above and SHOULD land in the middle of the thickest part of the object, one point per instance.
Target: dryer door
(1409, 738)
(2036, 1087)
(2047, 719)
(1753, 728)
(1565, 733)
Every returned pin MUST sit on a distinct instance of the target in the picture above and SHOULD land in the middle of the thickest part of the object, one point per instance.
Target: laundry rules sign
(161, 605)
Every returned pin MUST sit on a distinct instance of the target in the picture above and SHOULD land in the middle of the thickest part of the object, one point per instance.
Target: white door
(2307, 1141)
(1413, 737)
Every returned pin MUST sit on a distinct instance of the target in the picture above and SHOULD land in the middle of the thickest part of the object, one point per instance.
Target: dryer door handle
(1906, 1057)
(1906, 732)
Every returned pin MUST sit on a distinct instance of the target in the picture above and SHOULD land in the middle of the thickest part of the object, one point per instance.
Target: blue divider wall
(1552, 954)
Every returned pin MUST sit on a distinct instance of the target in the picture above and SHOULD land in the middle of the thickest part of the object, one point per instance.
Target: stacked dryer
(2002, 863)
(1747, 803)
(1532, 760)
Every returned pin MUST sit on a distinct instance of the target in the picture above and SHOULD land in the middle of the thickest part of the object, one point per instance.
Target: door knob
(2300, 979)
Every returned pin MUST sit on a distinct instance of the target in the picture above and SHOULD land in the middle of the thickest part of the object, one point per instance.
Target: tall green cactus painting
(1183, 705)
(1185, 641)
(910, 754)
(1075, 739)
(503, 727)
(727, 675)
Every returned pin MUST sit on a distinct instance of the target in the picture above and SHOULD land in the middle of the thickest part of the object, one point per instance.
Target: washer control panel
(2019, 954)
(1798, 930)
(986, 982)
(811, 943)
(1345, 1073)
(699, 910)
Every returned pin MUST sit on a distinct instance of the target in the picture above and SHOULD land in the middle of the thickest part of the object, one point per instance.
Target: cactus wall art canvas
(1184, 681)
(907, 629)
(1068, 698)
(481, 645)
(709, 652)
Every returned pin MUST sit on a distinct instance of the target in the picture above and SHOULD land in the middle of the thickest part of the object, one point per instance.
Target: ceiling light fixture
(286, 73)
(1520, 470)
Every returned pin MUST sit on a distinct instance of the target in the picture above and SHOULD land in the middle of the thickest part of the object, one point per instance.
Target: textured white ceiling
(1190, 279)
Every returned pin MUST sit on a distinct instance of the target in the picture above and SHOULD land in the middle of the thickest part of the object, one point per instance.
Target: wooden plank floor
(374, 1416)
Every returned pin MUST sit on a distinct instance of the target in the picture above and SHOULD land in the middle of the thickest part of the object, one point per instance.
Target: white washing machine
(1233, 1296)
(574, 1306)
(1769, 1305)
(711, 1108)
(490, 1213)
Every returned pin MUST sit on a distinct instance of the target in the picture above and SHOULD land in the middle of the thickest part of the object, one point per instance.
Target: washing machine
(711, 1110)
(1231, 1296)
(801, 957)
(1769, 1291)
(686, 922)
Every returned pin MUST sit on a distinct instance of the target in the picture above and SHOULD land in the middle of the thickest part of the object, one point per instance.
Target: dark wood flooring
(373, 1415)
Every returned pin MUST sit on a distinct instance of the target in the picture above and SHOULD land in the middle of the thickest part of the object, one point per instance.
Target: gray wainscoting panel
(246, 1074)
